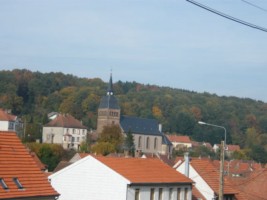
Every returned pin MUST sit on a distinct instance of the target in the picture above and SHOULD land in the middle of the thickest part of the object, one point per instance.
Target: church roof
(140, 125)
(110, 102)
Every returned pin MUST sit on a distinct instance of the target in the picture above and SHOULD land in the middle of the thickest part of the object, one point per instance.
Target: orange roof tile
(38, 162)
(210, 174)
(179, 138)
(65, 120)
(4, 116)
(144, 170)
(16, 162)
(231, 147)
(254, 186)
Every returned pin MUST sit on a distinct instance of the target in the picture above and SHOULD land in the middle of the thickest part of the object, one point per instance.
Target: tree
(258, 154)
(49, 154)
(110, 140)
(129, 143)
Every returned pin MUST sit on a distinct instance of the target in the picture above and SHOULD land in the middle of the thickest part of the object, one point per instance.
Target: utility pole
(221, 186)
(223, 148)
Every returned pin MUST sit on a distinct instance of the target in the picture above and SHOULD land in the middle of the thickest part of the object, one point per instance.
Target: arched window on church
(155, 143)
(147, 142)
(139, 141)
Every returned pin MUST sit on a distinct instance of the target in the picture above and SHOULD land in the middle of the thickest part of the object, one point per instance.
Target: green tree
(49, 154)
(258, 154)
(110, 140)
(129, 143)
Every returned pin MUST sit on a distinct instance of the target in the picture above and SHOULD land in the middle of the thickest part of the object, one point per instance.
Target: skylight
(16, 181)
(3, 184)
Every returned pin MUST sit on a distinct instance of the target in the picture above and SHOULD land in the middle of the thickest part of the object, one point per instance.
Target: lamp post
(223, 145)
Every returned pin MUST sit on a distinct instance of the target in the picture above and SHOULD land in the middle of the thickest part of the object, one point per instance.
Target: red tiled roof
(231, 147)
(4, 116)
(38, 162)
(210, 174)
(254, 186)
(179, 138)
(144, 170)
(65, 120)
(16, 162)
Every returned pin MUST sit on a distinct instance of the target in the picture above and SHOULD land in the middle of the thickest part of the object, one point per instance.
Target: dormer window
(18, 184)
(3, 184)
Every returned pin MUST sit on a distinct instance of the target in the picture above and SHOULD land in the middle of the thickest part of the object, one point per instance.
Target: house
(229, 150)
(120, 178)
(238, 168)
(8, 122)
(20, 177)
(180, 141)
(206, 178)
(252, 187)
(148, 135)
(66, 131)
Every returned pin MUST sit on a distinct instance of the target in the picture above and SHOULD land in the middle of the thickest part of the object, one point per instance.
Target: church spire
(110, 86)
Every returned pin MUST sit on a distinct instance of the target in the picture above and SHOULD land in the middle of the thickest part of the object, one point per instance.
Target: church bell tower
(108, 110)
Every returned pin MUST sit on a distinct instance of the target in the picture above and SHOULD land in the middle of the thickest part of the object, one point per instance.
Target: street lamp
(223, 145)
(214, 125)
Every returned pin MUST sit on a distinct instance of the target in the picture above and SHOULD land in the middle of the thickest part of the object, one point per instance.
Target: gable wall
(89, 179)
(200, 183)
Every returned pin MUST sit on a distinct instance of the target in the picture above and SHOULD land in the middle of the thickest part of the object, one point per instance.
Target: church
(147, 133)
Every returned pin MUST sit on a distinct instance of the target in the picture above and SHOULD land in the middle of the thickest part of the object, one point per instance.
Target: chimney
(186, 159)
(160, 127)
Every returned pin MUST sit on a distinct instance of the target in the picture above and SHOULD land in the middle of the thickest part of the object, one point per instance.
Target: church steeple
(108, 110)
(110, 86)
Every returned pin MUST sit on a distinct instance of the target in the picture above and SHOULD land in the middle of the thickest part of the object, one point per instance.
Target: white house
(65, 130)
(180, 141)
(119, 178)
(8, 122)
(206, 178)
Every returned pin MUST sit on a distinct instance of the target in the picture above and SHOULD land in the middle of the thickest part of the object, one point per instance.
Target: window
(11, 125)
(155, 143)
(18, 184)
(152, 194)
(178, 193)
(3, 184)
(147, 142)
(78, 139)
(185, 193)
(170, 193)
(160, 194)
(137, 194)
(139, 141)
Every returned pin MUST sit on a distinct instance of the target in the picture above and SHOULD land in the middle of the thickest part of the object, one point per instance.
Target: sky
(171, 43)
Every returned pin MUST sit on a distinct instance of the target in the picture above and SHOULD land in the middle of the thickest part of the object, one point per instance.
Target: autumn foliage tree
(110, 140)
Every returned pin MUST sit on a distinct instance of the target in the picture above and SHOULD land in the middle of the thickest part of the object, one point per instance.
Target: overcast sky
(164, 42)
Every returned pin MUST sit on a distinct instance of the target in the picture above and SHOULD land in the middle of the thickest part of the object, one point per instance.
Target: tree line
(32, 95)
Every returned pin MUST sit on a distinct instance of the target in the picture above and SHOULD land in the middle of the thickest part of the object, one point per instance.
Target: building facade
(8, 122)
(66, 131)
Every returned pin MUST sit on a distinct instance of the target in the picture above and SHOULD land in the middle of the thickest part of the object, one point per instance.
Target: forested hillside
(32, 95)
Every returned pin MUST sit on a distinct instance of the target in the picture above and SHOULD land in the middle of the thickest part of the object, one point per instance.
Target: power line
(227, 16)
(254, 5)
